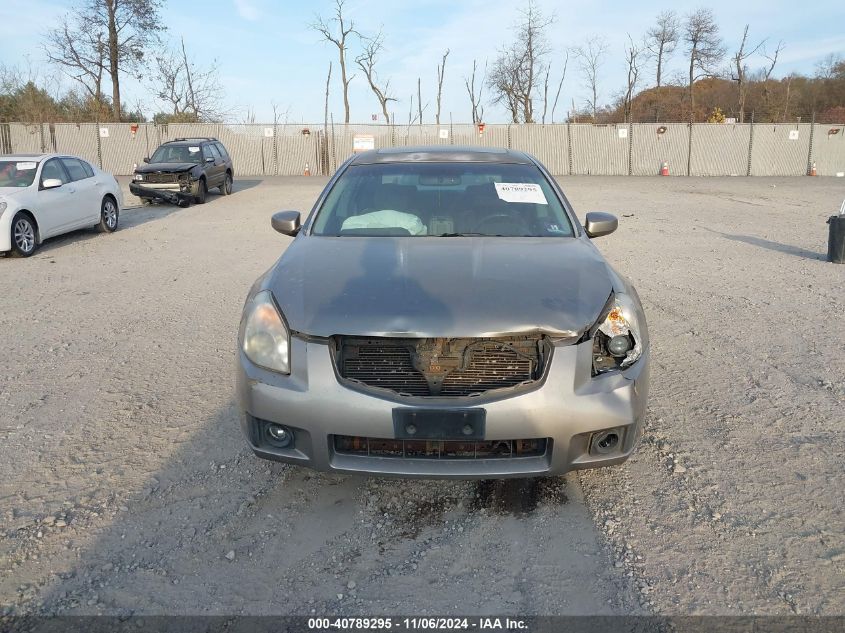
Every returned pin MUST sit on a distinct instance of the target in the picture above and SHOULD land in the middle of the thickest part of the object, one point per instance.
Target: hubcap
(24, 235)
(110, 214)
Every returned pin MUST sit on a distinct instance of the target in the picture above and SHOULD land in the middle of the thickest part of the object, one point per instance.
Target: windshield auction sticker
(520, 192)
(26, 166)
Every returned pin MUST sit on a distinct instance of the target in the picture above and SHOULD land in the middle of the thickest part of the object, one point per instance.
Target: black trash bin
(836, 239)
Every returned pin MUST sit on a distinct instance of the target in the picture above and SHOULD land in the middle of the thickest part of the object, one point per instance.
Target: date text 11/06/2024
(417, 624)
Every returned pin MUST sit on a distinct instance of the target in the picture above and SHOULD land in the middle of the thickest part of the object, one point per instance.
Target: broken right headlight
(617, 340)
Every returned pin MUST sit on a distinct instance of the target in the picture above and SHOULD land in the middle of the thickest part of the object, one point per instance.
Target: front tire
(202, 192)
(226, 187)
(24, 240)
(109, 216)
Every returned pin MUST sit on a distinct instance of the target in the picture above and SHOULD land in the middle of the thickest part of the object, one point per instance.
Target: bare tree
(367, 62)
(326, 107)
(517, 70)
(560, 84)
(739, 73)
(123, 28)
(827, 67)
(632, 54)
(422, 108)
(441, 71)
(475, 97)
(545, 94)
(194, 93)
(79, 49)
(704, 47)
(326, 28)
(590, 58)
(661, 40)
(767, 75)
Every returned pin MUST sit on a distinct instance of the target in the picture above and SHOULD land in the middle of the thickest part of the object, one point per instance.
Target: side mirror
(209, 160)
(51, 183)
(286, 222)
(146, 159)
(599, 223)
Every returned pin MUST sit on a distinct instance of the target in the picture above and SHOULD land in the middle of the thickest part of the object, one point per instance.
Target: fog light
(279, 436)
(605, 442)
(619, 345)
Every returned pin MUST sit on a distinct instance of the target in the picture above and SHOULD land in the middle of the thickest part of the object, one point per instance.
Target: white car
(44, 195)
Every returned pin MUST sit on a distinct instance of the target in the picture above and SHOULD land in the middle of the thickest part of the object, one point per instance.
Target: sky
(267, 54)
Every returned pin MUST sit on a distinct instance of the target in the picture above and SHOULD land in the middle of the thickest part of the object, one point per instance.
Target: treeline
(26, 100)
(774, 100)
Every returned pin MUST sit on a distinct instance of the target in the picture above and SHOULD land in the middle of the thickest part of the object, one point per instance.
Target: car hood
(152, 168)
(440, 287)
(10, 194)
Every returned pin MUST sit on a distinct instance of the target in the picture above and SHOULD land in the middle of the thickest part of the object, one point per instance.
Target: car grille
(440, 367)
(160, 178)
(438, 449)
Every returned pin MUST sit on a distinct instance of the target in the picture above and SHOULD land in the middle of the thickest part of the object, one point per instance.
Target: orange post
(664, 168)
(307, 170)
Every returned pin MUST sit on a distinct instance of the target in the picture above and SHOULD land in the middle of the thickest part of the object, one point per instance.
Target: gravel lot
(125, 486)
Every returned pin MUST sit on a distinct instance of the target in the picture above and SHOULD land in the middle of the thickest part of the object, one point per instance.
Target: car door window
(74, 169)
(54, 170)
(89, 171)
(222, 150)
(207, 152)
(215, 152)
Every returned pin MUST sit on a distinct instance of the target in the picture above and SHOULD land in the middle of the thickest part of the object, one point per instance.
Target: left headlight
(617, 338)
(138, 177)
(266, 340)
(3, 206)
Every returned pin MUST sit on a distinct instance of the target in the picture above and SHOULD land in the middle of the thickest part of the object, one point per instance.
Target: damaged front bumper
(172, 193)
(550, 429)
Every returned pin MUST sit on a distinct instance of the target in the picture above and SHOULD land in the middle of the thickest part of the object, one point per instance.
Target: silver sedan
(442, 313)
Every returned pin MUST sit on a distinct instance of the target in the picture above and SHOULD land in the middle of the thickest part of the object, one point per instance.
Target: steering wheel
(504, 219)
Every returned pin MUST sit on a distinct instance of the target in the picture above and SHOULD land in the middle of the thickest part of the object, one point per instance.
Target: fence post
(630, 147)
(99, 145)
(689, 148)
(334, 147)
(569, 145)
(750, 143)
(810, 149)
(275, 148)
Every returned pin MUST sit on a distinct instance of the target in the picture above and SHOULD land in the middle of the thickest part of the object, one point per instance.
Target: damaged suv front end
(511, 350)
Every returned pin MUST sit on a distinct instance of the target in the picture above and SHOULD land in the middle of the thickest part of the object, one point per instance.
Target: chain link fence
(638, 149)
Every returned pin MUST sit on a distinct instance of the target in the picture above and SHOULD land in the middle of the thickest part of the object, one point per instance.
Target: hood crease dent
(418, 287)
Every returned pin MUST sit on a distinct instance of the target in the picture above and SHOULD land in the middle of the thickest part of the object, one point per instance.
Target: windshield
(177, 154)
(17, 173)
(443, 199)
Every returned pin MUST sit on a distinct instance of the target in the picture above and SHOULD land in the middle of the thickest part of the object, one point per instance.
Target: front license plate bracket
(439, 424)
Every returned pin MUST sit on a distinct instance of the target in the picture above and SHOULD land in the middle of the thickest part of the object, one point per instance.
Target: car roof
(189, 140)
(442, 154)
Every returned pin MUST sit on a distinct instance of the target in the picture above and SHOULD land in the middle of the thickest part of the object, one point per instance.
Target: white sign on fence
(104, 132)
(793, 135)
(623, 132)
(268, 132)
(363, 142)
(444, 133)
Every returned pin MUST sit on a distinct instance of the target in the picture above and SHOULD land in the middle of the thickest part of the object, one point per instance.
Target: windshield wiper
(467, 235)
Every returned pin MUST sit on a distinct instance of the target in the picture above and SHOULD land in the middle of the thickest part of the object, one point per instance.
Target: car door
(216, 169)
(57, 207)
(87, 209)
